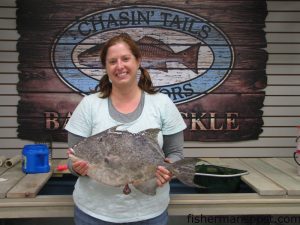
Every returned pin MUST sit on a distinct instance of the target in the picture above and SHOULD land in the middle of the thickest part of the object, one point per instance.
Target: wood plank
(268, 132)
(282, 37)
(8, 12)
(280, 122)
(8, 67)
(8, 122)
(284, 166)
(9, 56)
(263, 142)
(8, 132)
(9, 78)
(283, 100)
(13, 176)
(8, 45)
(267, 142)
(2, 170)
(2, 160)
(283, 48)
(9, 100)
(12, 35)
(238, 11)
(282, 27)
(290, 161)
(7, 3)
(288, 183)
(283, 5)
(9, 35)
(29, 186)
(258, 182)
(283, 110)
(8, 111)
(272, 16)
(283, 90)
(60, 153)
(275, 58)
(238, 152)
(8, 23)
(283, 16)
(272, 80)
(11, 152)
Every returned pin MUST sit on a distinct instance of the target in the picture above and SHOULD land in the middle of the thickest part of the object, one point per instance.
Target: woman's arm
(173, 146)
(78, 168)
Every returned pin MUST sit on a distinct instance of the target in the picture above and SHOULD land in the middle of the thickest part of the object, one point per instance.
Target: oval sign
(186, 55)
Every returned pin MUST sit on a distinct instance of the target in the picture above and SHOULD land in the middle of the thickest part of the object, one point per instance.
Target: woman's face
(121, 65)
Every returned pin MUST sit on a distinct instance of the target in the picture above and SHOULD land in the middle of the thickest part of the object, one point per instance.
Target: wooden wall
(282, 102)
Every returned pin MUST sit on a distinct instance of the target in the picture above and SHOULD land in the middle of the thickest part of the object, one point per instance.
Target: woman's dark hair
(144, 83)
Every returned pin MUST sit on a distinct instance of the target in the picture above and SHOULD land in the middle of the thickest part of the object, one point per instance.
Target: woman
(124, 99)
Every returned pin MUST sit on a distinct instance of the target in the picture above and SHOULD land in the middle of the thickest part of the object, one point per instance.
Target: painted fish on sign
(152, 52)
(189, 66)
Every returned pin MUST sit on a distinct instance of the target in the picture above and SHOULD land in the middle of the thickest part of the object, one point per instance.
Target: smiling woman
(122, 58)
(131, 101)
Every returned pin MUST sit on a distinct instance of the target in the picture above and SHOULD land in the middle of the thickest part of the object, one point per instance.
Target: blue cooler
(35, 158)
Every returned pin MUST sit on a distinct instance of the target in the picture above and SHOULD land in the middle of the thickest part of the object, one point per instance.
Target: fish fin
(151, 133)
(147, 187)
(146, 40)
(185, 171)
(114, 129)
(190, 57)
(162, 66)
(91, 56)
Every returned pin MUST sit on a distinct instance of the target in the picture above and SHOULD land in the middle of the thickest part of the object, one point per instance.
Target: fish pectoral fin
(147, 187)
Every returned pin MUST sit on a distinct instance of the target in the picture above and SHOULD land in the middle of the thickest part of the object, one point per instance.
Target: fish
(155, 55)
(119, 158)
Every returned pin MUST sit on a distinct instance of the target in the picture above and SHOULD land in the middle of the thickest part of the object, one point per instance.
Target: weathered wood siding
(282, 102)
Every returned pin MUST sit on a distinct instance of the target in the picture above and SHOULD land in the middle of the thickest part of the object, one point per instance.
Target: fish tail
(190, 57)
(184, 170)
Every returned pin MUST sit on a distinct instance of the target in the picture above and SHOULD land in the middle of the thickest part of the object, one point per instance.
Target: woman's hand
(163, 175)
(79, 166)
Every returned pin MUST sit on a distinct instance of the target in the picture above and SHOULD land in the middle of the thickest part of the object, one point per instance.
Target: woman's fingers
(80, 167)
(163, 176)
